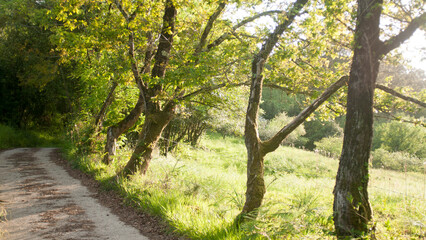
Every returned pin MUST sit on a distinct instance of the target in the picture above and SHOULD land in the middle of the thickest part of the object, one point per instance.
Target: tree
(190, 69)
(352, 211)
(35, 90)
(164, 92)
(257, 149)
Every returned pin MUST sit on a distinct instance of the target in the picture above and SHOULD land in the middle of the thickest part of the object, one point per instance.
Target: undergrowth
(199, 192)
(14, 138)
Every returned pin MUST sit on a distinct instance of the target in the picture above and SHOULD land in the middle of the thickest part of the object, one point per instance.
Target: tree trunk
(155, 118)
(115, 131)
(155, 122)
(352, 211)
(255, 154)
(255, 177)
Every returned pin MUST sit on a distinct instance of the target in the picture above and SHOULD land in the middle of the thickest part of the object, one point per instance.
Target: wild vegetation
(199, 191)
(158, 99)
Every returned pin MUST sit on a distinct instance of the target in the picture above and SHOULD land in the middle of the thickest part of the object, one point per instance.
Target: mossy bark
(155, 122)
(352, 211)
(115, 131)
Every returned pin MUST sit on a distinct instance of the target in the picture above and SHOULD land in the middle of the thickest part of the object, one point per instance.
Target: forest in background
(154, 81)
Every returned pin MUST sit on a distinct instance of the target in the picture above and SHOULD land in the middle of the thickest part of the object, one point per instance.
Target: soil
(45, 198)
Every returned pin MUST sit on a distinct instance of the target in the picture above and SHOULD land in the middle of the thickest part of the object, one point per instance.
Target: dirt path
(44, 202)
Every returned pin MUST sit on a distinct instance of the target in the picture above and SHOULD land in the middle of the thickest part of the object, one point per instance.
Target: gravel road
(43, 201)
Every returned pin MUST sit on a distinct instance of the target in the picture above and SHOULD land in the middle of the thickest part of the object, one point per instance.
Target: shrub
(317, 130)
(401, 137)
(397, 161)
(267, 129)
(330, 145)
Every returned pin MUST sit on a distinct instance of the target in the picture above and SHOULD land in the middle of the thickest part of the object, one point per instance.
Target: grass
(15, 138)
(199, 192)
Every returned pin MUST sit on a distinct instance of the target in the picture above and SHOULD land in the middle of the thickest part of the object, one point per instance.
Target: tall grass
(199, 192)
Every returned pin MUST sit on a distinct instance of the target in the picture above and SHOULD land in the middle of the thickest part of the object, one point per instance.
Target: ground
(45, 198)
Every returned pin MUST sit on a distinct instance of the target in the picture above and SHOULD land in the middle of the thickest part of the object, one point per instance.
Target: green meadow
(199, 191)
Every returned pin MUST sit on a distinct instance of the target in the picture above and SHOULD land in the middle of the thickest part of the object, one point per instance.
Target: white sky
(414, 50)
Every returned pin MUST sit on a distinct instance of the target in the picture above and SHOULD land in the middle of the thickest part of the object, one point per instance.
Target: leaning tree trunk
(156, 119)
(115, 131)
(352, 211)
(255, 152)
(155, 122)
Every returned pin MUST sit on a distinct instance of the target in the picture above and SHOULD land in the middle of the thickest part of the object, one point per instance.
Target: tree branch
(276, 86)
(210, 88)
(129, 18)
(273, 143)
(225, 36)
(208, 27)
(397, 94)
(257, 66)
(397, 40)
(134, 65)
(105, 105)
(133, 15)
(396, 118)
(162, 55)
(121, 9)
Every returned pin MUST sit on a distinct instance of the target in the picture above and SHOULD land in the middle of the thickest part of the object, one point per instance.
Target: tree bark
(352, 211)
(255, 155)
(156, 119)
(155, 122)
(115, 131)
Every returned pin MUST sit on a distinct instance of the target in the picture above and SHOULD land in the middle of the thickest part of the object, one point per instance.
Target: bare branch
(210, 89)
(397, 40)
(273, 143)
(397, 94)
(396, 118)
(251, 19)
(225, 36)
(345, 24)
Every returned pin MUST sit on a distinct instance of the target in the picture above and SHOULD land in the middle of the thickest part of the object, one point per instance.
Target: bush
(317, 130)
(268, 129)
(400, 137)
(397, 161)
(331, 146)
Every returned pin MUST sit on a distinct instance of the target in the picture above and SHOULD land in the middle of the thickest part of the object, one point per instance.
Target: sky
(414, 50)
